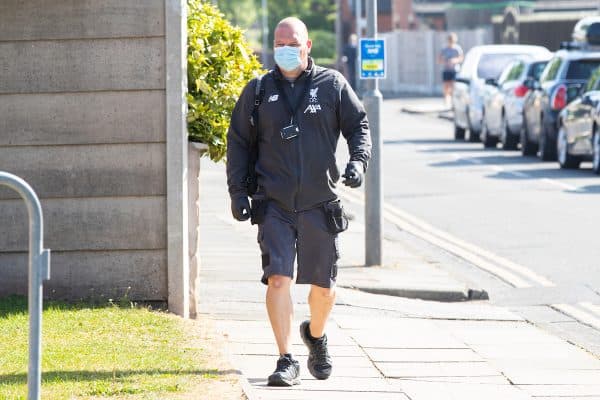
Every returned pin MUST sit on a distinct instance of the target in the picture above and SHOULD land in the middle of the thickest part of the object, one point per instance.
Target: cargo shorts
(284, 234)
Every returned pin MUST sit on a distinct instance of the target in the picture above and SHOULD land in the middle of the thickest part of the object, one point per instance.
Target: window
(516, 71)
(551, 70)
(505, 73)
(582, 69)
(536, 69)
(491, 65)
(594, 82)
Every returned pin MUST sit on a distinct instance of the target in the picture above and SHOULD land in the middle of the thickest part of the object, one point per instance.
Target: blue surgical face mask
(288, 57)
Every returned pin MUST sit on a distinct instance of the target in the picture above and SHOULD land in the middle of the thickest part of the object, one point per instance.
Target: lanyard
(293, 109)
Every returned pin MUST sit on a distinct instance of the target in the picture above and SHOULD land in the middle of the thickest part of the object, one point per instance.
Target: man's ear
(309, 45)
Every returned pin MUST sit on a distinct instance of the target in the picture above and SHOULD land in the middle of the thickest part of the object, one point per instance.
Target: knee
(279, 281)
(324, 294)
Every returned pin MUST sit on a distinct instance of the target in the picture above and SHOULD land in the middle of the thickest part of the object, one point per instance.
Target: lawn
(113, 352)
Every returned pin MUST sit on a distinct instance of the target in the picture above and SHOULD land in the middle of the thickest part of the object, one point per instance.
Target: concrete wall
(412, 55)
(83, 120)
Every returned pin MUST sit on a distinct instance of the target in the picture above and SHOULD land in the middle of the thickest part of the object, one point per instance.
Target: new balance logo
(273, 98)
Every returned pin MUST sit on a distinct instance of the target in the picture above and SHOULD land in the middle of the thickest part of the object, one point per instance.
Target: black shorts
(285, 234)
(449, 76)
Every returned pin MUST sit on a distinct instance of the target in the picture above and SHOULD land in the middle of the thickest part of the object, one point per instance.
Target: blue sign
(372, 58)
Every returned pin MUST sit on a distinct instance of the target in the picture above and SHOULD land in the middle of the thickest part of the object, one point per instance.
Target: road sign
(372, 58)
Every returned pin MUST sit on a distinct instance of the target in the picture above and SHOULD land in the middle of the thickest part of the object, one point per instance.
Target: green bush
(220, 63)
(323, 44)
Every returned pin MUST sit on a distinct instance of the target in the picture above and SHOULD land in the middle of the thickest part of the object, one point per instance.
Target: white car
(503, 101)
(481, 63)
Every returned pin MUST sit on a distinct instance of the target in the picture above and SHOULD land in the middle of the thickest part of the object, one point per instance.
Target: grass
(106, 352)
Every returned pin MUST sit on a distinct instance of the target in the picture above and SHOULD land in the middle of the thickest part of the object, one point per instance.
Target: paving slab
(525, 376)
(435, 369)
(422, 355)
(562, 390)
(462, 391)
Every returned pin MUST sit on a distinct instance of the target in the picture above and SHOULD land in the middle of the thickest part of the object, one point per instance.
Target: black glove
(353, 174)
(240, 208)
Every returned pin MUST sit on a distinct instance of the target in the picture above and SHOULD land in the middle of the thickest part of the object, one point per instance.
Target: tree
(220, 63)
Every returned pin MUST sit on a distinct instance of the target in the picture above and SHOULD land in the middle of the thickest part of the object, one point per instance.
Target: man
(300, 117)
(450, 57)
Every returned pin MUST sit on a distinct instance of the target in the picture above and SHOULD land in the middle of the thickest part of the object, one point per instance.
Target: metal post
(359, 34)
(39, 270)
(338, 34)
(372, 100)
(265, 34)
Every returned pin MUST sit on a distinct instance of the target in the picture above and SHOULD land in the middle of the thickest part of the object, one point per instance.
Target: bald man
(302, 108)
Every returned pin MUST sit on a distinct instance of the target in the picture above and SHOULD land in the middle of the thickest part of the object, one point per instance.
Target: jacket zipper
(299, 155)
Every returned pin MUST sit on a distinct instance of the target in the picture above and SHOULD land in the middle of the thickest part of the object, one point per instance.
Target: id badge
(290, 131)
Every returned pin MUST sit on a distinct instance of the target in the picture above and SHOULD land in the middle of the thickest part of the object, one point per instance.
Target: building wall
(82, 119)
(411, 64)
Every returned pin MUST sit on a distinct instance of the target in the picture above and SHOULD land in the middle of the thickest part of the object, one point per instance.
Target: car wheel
(473, 134)
(546, 151)
(459, 133)
(528, 148)
(488, 140)
(509, 141)
(596, 153)
(566, 160)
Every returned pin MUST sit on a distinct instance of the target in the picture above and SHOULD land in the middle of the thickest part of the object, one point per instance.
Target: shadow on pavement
(592, 189)
(452, 150)
(548, 173)
(483, 160)
(419, 141)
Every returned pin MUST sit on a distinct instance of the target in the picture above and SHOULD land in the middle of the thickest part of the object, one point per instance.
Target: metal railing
(39, 270)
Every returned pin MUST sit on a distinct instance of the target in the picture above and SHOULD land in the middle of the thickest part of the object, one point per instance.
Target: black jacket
(301, 172)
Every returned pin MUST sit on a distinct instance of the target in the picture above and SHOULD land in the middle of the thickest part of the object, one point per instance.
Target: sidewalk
(383, 347)
(427, 105)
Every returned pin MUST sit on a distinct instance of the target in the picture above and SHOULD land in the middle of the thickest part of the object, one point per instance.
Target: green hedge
(220, 63)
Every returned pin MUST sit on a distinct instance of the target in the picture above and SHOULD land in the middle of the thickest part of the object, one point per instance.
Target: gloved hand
(240, 208)
(353, 174)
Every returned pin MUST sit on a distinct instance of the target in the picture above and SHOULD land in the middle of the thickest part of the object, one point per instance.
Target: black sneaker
(319, 361)
(287, 372)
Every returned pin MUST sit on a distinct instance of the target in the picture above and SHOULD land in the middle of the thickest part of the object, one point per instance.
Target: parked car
(559, 84)
(503, 100)
(481, 63)
(578, 133)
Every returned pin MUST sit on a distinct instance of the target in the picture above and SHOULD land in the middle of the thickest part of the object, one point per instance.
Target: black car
(559, 84)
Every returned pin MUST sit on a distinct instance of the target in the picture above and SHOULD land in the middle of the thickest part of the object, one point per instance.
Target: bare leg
(280, 310)
(448, 93)
(320, 301)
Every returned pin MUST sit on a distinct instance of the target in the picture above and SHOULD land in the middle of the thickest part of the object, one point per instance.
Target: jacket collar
(305, 74)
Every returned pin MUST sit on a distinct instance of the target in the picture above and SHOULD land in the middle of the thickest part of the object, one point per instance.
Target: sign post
(372, 67)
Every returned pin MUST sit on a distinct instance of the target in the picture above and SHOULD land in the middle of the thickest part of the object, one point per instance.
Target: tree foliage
(220, 63)
(319, 16)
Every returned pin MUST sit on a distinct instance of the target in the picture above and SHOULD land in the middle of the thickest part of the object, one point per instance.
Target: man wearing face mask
(302, 109)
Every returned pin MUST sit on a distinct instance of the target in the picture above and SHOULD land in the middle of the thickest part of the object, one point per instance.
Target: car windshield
(491, 65)
(582, 69)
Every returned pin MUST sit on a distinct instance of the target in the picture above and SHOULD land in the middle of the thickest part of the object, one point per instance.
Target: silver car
(481, 63)
(504, 97)
(578, 133)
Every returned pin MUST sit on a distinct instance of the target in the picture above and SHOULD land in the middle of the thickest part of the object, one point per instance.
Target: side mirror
(491, 82)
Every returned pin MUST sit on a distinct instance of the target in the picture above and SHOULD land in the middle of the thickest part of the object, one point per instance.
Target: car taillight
(559, 99)
(521, 90)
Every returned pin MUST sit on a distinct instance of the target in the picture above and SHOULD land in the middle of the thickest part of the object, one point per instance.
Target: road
(536, 225)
